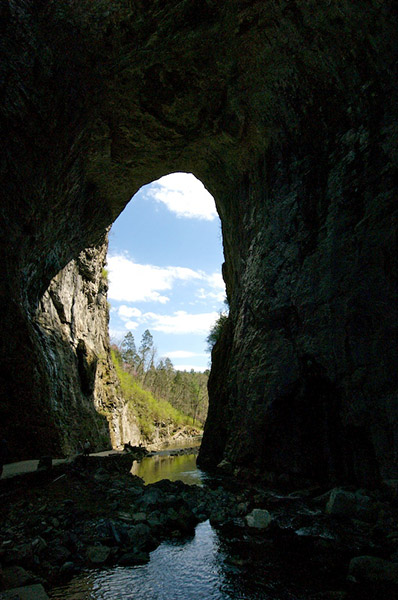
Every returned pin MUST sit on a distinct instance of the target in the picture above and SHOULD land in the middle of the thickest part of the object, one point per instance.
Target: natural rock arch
(286, 111)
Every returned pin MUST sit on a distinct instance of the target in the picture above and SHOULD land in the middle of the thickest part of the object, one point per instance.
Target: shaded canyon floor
(93, 518)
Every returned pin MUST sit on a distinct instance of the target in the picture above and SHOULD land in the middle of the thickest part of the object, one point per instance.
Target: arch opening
(166, 290)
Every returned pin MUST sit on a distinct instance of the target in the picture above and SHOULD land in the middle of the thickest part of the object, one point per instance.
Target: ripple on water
(194, 570)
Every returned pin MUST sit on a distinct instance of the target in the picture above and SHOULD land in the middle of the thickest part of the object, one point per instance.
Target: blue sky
(164, 262)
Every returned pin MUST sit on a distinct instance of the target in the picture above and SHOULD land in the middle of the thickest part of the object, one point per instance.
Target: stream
(183, 468)
(198, 568)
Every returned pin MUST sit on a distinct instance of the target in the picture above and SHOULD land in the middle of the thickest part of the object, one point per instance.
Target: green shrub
(215, 331)
(148, 409)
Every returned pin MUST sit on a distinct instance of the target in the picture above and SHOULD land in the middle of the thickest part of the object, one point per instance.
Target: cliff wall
(287, 111)
(72, 325)
(304, 378)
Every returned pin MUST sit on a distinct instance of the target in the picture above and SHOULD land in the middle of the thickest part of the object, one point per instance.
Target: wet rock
(38, 545)
(152, 498)
(133, 558)
(315, 531)
(125, 516)
(155, 518)
(139, 517)
(258, 518)
(140, 536)
(98, 555)
(349, 504)
(30, 592)
(201, 512)
(218, 517)
(67, 569)
(238, 561)
(242, 508)
(7, 544)
(373, 569)
(111, 532)
(58, 554)
(232, 527)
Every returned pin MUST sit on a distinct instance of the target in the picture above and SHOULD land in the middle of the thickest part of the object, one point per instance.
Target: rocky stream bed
(92, 513)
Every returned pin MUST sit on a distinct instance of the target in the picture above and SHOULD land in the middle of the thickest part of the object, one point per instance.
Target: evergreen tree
(146, 354)
(129, 351)
(186, 392)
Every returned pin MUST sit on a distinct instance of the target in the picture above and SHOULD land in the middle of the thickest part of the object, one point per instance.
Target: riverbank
(92, 513)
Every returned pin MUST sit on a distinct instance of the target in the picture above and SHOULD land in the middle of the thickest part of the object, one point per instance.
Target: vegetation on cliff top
(157, 394)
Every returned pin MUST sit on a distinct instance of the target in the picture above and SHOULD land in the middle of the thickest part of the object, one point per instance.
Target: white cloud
(203, 295)
(216, 281)
(116, 335)
(217, 288)
(132, 282)
(126, 312)
(184, 195)
(131, 325)
(181, 322)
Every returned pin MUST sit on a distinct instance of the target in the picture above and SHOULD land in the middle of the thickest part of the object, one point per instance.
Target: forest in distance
(157, 390)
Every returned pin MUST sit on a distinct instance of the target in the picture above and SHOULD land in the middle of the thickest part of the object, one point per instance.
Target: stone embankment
(340, 543)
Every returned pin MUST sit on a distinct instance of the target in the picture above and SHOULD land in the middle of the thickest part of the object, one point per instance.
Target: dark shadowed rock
(14, 577)
(30, 592)
(373, 569)
(258, 518)
(130, 559)
(98, 555)
(287, 111)
(349, 504)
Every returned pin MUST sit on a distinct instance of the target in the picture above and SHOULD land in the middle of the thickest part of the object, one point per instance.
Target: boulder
(140, 535)
(30, 592)
(372, 569)
(139, 517)
(259, 518)
(350, 504)
(98, 555)
(59, 554)
(152, 498)
(67, 569)
(38, 545)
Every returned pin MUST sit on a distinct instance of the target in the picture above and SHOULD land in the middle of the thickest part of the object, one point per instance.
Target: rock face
(303, 378)
(287, 112)
(72, 323)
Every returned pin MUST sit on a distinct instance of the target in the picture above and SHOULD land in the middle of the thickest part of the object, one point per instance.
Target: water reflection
(175, 468)
(210, 566)
(195, 570)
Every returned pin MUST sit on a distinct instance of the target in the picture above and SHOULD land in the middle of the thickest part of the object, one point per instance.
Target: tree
(185, 391)
(129, 351)
(146, 354)
(215, 331)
